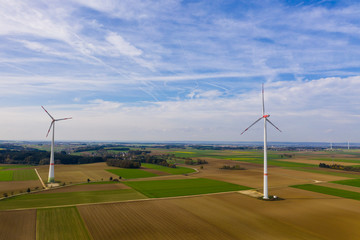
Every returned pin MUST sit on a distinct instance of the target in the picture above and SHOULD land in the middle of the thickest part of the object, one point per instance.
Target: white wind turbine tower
(52, 125)
(265, 117)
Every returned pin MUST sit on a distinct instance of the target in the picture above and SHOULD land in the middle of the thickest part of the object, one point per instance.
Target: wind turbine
(265, 117)
(51, 178)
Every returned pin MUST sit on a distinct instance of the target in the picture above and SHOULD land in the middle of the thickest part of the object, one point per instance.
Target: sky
(171, 70)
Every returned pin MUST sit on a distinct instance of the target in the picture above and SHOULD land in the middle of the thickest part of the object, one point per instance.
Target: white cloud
(300, 109)
(122, 46)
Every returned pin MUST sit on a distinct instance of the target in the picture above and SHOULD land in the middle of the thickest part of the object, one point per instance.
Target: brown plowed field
(303, 215)
(87, 187)
(17, 186)
(18, 225)
(146, 220)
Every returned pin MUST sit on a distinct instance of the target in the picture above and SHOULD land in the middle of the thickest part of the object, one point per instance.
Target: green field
(128, 173)
(278, 163)
(329, 191)
(6, 175)
(349, 182)
(18, 175)
(60, 223)
(24, 175)
(177, 170)
(183, 187)
(68, 198)
(11, 166)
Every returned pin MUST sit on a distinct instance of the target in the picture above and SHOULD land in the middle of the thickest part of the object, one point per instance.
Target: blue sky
(172, 70)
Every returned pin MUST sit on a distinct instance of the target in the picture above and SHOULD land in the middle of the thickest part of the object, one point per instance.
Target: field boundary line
(40, 178)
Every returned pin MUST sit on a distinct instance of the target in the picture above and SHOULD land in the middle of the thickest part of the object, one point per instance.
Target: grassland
(68, 198)
(177, 170)
(131, 173)
(183, 187)
(329, 191)
(24, 175)
(349, 182)
(18, 175)
(60, 223)
(6, 175)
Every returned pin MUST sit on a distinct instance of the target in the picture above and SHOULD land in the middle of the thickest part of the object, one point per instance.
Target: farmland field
(77, 173)
(174, 205)
(349, 182)
(68, 198)
(330, 191)
(131, 173)
(6, 175)
(60, 223)
(24, 174)
(177, 170)
(18, 175)
(18, 224)
(182, 187)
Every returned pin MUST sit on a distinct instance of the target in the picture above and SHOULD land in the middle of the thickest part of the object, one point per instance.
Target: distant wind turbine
(265, 117)
(52, 125)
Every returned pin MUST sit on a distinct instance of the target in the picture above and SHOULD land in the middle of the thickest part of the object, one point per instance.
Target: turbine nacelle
(53, 120)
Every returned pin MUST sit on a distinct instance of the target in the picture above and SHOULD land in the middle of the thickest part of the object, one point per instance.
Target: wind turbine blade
(60, 119)
(48, 113)
(273, 125)
(263, 102)
(52, 123)
(251, 125)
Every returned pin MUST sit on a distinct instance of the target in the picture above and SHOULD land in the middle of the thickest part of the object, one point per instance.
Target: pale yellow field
(78, 173)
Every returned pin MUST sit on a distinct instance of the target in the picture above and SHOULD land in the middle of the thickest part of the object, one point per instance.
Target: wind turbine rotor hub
(266, 116)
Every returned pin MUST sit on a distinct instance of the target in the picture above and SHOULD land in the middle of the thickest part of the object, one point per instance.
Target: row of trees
(340, 167)
(197, 162)
(42, 157)
(234, 167)
(133, 159)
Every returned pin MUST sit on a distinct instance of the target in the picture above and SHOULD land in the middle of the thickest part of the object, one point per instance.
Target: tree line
(133, 159)
(38, 157)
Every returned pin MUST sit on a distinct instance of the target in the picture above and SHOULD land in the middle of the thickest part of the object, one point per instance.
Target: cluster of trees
(234, 167)
(37, 157)
(340, 167)
(197, 162)
(123, 163)
(133, 159)
(287, 155)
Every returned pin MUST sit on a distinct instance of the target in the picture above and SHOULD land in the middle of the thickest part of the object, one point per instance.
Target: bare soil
(16, 186)
(18, 225)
